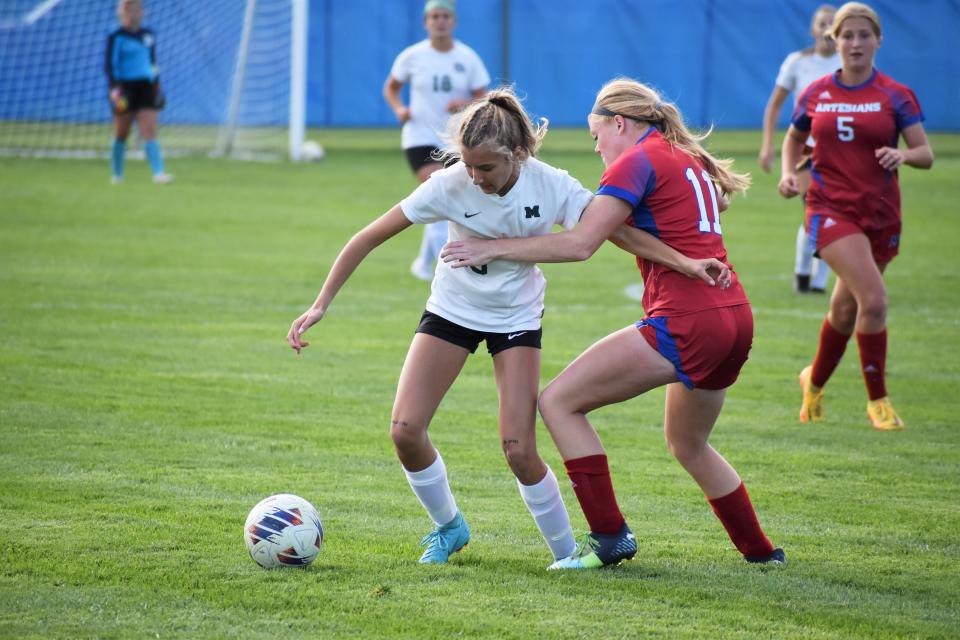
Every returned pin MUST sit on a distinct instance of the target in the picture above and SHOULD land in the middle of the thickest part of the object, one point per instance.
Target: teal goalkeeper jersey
(131, 56)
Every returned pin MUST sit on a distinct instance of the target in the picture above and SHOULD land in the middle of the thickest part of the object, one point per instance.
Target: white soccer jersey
(800, 68)
(435, 77)
(502, 296)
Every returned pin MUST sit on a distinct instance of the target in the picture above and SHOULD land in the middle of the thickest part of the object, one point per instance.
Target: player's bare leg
(852, 259)
(430, 368)
(518, 378)
(619, 367)
(690, 416)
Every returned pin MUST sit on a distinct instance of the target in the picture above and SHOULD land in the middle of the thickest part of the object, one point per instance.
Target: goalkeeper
(131, 68)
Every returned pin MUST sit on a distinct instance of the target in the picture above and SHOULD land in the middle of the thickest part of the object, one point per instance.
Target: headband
(439, 4)
(599, 110)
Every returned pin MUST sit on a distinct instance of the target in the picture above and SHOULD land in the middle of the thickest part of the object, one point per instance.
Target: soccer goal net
(233, 73)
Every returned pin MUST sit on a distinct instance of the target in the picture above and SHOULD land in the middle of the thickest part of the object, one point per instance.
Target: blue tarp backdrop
(717, 59)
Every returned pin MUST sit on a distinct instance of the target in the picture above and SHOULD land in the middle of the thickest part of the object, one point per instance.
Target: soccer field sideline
(149, 400)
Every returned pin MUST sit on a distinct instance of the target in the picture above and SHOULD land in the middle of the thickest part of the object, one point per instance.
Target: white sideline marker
(634, 291)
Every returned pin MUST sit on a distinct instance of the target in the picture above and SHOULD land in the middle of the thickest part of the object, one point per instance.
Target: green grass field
(149, 399)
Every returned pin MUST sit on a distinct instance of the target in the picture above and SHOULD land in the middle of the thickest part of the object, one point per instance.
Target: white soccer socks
(546, 506)
(433, 490)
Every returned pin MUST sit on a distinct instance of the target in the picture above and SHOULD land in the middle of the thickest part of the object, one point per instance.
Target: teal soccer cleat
(596, 550)
(445, 540)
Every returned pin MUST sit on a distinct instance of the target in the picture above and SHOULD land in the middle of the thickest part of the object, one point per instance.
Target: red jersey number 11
(705, 226)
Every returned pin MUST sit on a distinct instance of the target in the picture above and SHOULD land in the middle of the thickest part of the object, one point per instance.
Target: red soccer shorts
(824, 229)
(707, 348)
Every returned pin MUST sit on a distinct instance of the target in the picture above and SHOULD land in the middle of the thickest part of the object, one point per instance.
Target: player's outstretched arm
(362, 243)
(646, 245)
(601, 219)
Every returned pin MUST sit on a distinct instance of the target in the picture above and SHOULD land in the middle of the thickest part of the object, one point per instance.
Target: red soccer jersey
(674, 199)
(849, 124)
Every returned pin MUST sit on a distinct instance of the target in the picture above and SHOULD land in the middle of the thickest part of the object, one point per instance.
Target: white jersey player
(497, 189)
(502, 296)
(444, 75)
(798, 70)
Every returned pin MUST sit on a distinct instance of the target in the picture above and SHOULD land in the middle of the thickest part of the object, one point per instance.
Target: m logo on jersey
(532, 212)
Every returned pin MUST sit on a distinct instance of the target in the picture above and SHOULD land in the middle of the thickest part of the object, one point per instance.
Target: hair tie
(658, 105)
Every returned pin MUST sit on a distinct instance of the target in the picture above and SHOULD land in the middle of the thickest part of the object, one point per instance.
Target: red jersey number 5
(845, 128)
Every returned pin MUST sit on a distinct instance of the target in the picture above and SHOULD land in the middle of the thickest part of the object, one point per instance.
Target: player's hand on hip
(788, 187)
(306, 320)
(471, 252)
(889, 158)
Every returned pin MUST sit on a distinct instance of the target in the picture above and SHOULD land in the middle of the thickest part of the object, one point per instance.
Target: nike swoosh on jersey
(470, 215)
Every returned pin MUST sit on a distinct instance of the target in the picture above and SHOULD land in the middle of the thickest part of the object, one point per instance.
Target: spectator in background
(444, 76)
(131, 67)
(798, 70)
(857, 116)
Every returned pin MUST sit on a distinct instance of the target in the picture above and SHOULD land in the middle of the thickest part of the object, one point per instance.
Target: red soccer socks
(829, 351)
(590, 476)
(873, 362)
(736, 513)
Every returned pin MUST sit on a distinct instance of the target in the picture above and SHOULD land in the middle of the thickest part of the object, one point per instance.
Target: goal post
(234, 75)
(298, 78)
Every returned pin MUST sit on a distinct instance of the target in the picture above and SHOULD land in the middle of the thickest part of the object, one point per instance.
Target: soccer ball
(311, 151)
(283, 531)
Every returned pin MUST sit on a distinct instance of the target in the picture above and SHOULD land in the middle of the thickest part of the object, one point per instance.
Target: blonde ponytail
(637, 101)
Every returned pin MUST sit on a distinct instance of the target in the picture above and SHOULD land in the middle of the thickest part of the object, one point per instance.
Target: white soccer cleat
(163, 178)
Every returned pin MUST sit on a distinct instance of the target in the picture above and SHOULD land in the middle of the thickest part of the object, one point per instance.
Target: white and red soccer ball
(283, 530)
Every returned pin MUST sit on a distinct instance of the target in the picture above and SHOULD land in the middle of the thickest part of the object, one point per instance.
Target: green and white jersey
(502, 296)
(436, 77)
